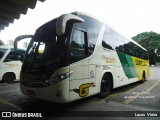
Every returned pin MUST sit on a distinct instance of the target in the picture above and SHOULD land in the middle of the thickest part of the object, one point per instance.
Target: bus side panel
(13, 66)
(125, 72)
(82, 80)
(128, 65)
(81, 89)
(141, 66)
(1, 73)
(2, 66)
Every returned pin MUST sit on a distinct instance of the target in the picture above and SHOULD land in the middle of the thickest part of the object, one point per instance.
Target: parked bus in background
(81, 57)
(11, 61)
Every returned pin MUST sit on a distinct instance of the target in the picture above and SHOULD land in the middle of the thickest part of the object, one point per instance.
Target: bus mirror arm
(20, 38)
(62, 21)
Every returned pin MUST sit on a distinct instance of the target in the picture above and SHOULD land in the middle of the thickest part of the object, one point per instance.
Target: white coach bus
(11, 61)
(81, 56)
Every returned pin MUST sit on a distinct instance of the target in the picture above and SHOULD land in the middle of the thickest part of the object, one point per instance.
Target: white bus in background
(81, 57)
(11, 60)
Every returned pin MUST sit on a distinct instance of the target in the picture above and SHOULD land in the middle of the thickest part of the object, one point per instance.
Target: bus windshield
(46, 51)
(2, 51)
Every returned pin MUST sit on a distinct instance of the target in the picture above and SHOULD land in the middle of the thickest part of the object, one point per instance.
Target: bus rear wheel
(9, 78)
(106, 86)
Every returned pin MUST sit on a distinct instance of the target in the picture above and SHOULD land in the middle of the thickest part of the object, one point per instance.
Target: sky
(129, 17)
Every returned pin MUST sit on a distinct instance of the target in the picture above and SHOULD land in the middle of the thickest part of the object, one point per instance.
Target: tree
(1, 42)
(150, 41)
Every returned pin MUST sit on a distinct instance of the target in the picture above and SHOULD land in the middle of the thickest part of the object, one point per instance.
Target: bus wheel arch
(106, 85)
(9, 77)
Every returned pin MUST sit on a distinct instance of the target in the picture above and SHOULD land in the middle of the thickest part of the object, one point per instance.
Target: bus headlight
(58, 78)
(61, 77)
(48, 82)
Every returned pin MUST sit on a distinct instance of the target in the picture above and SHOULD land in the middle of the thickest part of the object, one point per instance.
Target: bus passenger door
(78, 64)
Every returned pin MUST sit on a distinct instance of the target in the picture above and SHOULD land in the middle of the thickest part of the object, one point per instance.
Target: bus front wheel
(9, 78)
(106, 86)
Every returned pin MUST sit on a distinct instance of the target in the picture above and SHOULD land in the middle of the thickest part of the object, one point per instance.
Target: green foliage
(150, 41)
(1, 42)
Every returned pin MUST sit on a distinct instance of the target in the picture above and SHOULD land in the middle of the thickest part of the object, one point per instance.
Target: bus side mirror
(157, 51)
(62, 21)
(20, 38)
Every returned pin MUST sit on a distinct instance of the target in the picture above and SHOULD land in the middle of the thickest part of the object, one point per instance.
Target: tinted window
(2, 51)
(15, 55)
(109, 39)
(93, 28)
(128, 49)
(121, 41)
(132, 49)
(139, 52)
(79, 45)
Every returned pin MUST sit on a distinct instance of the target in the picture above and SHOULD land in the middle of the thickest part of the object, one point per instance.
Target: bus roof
(102, 21)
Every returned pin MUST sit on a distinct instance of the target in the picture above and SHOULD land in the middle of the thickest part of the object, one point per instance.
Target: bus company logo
(6, 114)
(12, 65)
(108, 59)
(84, 89)
(140, 62)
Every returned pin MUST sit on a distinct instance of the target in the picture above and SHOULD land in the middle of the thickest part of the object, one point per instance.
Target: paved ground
(136, 97)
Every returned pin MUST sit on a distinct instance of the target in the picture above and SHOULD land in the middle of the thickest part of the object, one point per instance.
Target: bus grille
(34, 84)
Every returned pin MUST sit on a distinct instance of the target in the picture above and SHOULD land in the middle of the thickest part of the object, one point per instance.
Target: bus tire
(143, 77)
(106, 86)
(8, 78)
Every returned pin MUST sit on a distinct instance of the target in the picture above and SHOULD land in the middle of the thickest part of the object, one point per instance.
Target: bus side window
(20, 56)
(79, 45)
(14, 56)
(110, 39)
(10, 57)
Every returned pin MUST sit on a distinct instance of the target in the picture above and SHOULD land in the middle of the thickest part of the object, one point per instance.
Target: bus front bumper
(58, 93)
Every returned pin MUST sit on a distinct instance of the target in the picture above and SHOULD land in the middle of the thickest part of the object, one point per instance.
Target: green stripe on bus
(128, 65)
